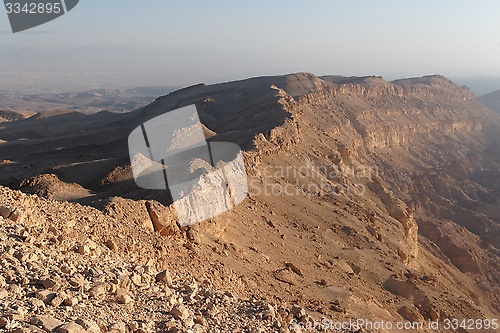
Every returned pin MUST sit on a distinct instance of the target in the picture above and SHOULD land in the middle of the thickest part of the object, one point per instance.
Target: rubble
(68, 291)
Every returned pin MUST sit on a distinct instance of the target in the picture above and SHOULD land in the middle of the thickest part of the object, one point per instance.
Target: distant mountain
(479, 85)
(492, 101)
(89, 101)
(14, 115)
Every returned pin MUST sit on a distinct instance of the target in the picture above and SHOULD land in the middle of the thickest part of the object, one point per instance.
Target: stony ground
(51, 281)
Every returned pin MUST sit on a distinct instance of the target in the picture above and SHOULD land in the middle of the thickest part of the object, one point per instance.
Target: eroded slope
(368, 198)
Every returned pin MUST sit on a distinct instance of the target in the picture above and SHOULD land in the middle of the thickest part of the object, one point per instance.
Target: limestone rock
(180, 312)
(165, 277)
(88, 325)
(70, 327)
(48, 323)
(411, 314)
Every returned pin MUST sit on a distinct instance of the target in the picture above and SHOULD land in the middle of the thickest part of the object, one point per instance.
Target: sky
(177, 43)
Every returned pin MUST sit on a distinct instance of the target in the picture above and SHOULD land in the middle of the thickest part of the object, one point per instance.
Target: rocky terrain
(54, 278)
(368, 199)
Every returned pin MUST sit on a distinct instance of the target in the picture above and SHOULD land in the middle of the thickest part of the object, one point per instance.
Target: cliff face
(400, 114)
(433, 145)
(428, 135)
(381, 197)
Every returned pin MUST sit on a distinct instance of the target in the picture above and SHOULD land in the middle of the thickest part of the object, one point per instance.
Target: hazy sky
(183, 42)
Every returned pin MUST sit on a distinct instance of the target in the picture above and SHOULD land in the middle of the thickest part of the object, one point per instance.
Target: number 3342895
(33, 8)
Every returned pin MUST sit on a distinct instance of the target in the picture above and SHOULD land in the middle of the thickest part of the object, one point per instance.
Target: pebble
(70, 327)
(166, 278)
(125, 299)
(180, 312)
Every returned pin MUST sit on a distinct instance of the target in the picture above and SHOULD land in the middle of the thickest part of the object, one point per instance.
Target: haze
(124, 43)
